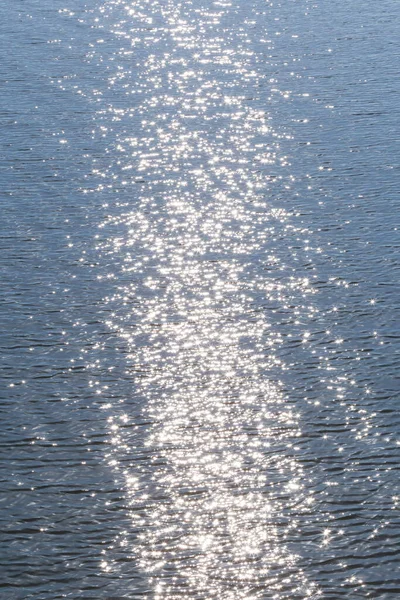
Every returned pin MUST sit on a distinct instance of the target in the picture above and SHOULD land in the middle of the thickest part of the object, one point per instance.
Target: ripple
(200, 308)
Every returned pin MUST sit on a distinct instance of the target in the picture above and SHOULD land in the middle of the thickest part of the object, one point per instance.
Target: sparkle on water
(219, 501)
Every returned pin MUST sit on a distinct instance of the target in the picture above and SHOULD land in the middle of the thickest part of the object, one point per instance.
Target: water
(199, 300)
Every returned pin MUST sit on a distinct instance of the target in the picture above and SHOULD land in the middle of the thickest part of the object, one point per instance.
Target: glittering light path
(217, 502)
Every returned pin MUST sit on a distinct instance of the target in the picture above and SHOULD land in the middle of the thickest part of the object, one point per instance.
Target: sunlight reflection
(220, 494)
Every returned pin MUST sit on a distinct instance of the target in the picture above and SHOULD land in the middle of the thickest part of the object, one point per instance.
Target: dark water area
(199, 314)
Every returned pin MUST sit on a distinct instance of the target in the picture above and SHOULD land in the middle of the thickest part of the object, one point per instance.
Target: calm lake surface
(199, 302)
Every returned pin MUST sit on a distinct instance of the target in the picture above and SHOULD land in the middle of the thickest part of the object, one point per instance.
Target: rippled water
(199, 301)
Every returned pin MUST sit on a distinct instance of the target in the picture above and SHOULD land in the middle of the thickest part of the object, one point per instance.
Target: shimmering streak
(219, 498)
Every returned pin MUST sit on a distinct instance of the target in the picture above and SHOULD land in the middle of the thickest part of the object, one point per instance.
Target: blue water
(199, 322)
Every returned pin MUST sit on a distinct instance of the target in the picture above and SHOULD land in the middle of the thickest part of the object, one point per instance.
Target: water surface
(199, 302)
